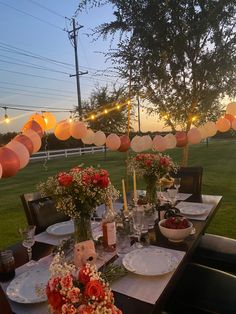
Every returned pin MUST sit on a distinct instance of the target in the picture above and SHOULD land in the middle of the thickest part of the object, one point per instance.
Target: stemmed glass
(138, 222)
(27, 233)
(177, 182)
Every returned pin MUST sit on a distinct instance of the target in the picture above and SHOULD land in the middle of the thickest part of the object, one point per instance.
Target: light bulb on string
(92, 117)
(105, 111)
(70, 119)
(118, 107)
(6, 118)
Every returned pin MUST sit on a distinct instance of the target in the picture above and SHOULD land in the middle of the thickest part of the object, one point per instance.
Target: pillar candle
(125, 199)
(135, 187)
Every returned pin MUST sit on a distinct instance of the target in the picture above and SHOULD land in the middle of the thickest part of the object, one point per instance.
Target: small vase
(83, 229)
(151, 189)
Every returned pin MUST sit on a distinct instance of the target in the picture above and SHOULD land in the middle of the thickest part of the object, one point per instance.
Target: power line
(33, 108)
(46, 8)
(31, 15)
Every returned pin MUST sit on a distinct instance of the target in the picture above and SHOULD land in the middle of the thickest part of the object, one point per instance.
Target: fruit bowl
(175, 229)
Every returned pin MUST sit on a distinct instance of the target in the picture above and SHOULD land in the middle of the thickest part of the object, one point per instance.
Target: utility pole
(73, 37)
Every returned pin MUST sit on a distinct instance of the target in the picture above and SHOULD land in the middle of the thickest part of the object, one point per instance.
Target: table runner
(146, 288)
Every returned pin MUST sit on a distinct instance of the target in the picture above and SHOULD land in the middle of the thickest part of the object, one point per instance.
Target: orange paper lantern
(21, 151)
(50, 120)
(25, 140)
(33, 125)
(62, 130)
(39, 119)
(223, 125)
(35, 138)
(9, 161)
(113, 142)
(78, 129)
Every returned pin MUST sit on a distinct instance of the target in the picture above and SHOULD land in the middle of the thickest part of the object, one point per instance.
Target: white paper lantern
(147, 142)
(159, 143)
(194, 136)
(78, 129)
(137, 144)
(21, 151)
(170, 140)
(203, 132)
(99, 138)
(35, 138)
(113, 142)
(231, 108)
(88, 138)
(210, 128)
(223, 125)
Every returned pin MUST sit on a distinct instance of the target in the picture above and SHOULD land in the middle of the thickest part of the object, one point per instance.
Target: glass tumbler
(7, 265)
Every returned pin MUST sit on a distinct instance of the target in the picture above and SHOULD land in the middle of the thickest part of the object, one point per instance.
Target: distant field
(218, 161)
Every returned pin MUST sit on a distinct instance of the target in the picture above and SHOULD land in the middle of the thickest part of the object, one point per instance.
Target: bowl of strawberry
(175, 229)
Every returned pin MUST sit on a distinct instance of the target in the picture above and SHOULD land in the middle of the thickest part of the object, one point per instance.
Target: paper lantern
(62, 130)
(9, 161)
(210, 128)
(194, 136)
(137, 144)
(39, 119)
(159, 143)
(231, 108)
(78, 129)
(21, 151)
(234, 124)
(203, 131)
(124, 143)
(147, 141)
(50, 120)
(113, 142)
(33, 125)
(26, 141)
(0, 171)
(181, 139)
(35, 138)
(89, 137)
(229, 117)
(223, 125)
(99, 138)
(170, 141)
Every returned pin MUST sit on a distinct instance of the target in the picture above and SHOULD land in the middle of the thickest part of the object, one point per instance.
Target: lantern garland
(16, 154)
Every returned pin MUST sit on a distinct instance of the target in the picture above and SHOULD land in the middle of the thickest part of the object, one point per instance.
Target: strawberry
(176, 223)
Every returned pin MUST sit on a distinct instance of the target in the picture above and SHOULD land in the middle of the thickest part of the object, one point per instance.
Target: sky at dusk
(38, 28)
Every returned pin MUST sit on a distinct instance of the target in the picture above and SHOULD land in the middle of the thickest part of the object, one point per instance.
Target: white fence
(50, 154)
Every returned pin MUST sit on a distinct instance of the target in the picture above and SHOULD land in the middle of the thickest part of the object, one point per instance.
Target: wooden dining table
(130, 305)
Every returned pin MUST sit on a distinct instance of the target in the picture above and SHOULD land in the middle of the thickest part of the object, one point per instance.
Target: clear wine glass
(177, 182)
(27, 233)
(138, 221)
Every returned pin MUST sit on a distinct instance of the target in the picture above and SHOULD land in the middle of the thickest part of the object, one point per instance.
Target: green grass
(218, 161)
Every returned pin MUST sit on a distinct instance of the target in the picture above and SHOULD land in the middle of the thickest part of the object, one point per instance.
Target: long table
(130, 305)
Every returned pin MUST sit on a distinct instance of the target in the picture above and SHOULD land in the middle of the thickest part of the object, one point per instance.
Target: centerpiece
(83, 291)
(77, 193)
(153, 168)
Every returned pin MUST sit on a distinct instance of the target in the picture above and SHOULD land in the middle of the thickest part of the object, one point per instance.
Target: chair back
(41, 211)
(4, 304)
(191, 180)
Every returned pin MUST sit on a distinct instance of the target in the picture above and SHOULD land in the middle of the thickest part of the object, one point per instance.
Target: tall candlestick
(126, 212)
(135, 188)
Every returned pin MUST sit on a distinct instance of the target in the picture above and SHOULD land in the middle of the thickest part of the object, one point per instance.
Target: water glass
(177, 182)
(7, 265)
(27, 233)
(172, 195)
(138, 221)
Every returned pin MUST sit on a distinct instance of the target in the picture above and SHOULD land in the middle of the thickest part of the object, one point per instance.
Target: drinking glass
(138, 221)
(172, 195)
(177, 182)
(27, 233)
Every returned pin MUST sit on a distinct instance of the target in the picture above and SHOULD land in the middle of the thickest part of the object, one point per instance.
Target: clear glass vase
(151, 189)
(83, 230)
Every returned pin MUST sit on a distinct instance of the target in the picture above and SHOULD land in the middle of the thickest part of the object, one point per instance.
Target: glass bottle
(109, 228)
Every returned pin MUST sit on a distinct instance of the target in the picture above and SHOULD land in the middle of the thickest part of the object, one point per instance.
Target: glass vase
(151, 189)
(83, 230)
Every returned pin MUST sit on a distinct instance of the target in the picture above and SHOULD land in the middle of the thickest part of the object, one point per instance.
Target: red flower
(148, 163)
(83, 275)
(76, 169)
(103, 182)
(74, 295)
(94, 288)
(66, 282)
(68, 309)
(164, 161)
(85, 309)
(55, 299)
(64, 179)
(86, 179)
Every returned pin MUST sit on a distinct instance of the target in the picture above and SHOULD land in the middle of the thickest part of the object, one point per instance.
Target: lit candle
(135, 188)
(126, 212)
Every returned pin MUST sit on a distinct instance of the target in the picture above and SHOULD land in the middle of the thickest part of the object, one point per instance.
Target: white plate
(61, 228)
(193, 209)
(29, 287)
(150, 261)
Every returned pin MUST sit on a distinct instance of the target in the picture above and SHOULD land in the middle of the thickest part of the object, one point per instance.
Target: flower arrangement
(70, 291)
(78, 191)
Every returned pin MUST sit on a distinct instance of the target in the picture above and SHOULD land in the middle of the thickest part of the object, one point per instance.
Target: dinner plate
(61, 229)
(150, 261)
(193, 209)
(29, 287)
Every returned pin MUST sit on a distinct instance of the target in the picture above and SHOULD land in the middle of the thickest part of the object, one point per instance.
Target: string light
(6, 118)
(92, 116)
(105, 111)
(118, 107)
(70, 119)
(194, 118)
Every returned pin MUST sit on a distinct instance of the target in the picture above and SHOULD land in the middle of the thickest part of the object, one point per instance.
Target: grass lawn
(219, 178)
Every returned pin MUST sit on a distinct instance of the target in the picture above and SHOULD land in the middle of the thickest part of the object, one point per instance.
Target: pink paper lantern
(210, 128)
(113, 142)
(124, 143)
(62, 130)
(194, 136)
(170, 141)
(9, 161)
(26, 141)
(33, 125)
(147, 140)
(229, 117)
(181, 138)
(50, 120)
(223, 125)
(99, 138)
(203, 131)
(35, 138)
(78, 129)
(0, 171)
(137, 144)
(159, 143)
(89, 137)
(21, 151)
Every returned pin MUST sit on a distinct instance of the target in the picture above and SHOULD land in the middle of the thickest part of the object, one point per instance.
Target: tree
(109, 109)
(182, 54)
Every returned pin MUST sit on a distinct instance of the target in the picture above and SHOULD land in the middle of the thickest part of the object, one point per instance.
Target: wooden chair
(41, 211)
(4, 305)
(191, 180)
